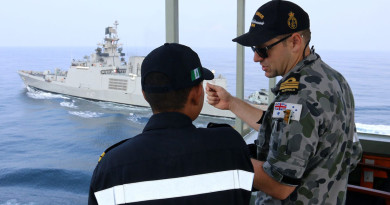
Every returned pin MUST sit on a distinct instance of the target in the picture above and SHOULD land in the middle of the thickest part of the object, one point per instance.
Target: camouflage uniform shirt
(316, 151)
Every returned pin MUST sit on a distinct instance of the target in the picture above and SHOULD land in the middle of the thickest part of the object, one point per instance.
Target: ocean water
(50, 143)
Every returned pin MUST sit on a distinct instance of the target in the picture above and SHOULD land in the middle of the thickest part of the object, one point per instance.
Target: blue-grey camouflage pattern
(316, 153)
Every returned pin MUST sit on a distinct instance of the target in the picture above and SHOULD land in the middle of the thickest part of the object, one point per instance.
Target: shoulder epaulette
(290, 85)
(214, 125)
(110, 148)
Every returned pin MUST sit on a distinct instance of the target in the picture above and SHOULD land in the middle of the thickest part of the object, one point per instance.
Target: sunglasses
(263, 52)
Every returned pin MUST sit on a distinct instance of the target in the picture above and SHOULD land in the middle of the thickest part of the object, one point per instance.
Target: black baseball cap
(179, 63)
(272, 19)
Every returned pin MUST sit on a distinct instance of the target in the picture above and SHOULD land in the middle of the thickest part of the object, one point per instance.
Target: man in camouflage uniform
(307, 143)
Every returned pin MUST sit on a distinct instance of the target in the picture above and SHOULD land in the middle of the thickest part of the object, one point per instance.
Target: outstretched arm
(263, 182)
(221, 99)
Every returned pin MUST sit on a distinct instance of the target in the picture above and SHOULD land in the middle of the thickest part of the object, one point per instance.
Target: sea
(50, 143)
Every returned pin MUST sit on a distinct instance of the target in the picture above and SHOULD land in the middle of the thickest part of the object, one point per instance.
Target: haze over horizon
(342, 25)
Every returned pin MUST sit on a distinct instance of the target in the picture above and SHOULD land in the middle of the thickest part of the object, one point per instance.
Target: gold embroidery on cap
(292, 21)
(259, 15)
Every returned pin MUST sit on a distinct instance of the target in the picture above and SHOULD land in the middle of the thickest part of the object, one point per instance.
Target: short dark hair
(306, 35)
(165, 101)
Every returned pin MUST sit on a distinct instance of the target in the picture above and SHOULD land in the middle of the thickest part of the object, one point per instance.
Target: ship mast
(111, 41)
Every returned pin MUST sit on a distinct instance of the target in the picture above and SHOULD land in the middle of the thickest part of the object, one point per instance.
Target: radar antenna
(116, 24)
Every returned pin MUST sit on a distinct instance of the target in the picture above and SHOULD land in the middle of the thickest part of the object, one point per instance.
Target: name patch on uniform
(287, 111)
(291, 85)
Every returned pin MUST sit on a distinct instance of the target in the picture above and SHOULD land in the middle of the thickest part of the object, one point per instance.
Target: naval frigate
(105, 76)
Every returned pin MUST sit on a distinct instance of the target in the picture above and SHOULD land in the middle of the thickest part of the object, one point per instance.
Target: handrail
(369, 191)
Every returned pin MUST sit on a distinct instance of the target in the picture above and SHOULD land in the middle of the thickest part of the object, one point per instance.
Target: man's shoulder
(221, 133)
(311, 80)
(319, 80)
(118, 149)
(220, 129)
(216, 125)
(320, 71)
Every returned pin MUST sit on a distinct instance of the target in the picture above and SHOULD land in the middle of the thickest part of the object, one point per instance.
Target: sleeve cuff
(276, 174)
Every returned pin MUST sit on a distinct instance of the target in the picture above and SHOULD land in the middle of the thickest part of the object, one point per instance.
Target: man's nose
(257, 58)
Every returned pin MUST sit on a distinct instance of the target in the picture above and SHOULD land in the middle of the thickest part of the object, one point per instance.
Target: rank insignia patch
(291, 85)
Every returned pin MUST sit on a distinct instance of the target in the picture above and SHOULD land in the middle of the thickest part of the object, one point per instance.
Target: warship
(105, 76)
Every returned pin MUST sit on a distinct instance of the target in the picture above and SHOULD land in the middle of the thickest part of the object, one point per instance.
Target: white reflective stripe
(176, 187)
(119, 195)
(105, 196)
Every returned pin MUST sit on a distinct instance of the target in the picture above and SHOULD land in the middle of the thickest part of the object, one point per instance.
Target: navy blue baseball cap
(272, 19)
(179, 63)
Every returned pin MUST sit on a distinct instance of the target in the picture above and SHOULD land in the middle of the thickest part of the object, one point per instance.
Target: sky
(357, 25)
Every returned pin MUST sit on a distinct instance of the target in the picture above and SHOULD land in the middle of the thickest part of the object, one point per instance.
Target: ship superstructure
(104, 76)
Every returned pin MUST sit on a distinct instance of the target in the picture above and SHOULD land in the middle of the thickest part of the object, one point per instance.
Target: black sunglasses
(263, 52)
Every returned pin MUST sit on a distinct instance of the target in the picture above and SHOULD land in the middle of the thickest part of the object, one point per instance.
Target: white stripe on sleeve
(176, 187)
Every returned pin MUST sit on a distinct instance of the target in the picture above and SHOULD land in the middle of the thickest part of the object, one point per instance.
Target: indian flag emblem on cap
(195, 74)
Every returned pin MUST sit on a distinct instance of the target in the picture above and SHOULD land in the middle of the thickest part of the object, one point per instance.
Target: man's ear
(297, 41)
(143, 93)
(195, 94)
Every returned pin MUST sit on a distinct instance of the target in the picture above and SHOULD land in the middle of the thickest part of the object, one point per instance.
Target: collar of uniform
(297, 69)
(168, 120)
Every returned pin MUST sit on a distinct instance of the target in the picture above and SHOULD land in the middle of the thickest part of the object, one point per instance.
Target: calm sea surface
(50, 144)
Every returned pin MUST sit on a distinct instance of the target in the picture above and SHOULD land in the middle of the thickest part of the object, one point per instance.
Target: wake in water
(74, 103)
(41, 95)
(139, 118)
(373, 129)
(86, 114)
(69, 104)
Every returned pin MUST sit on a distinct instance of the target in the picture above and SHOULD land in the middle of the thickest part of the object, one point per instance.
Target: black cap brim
(207, 74)
(255, 38)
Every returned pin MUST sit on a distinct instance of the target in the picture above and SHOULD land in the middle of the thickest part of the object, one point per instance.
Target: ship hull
(132, 95)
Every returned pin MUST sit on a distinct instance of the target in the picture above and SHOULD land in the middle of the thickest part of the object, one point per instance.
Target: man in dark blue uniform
(172, 161)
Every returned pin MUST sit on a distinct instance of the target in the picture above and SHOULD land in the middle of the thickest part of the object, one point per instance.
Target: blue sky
(335, 25)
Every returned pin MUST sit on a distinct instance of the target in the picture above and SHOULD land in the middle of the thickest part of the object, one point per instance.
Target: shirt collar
(168, 120)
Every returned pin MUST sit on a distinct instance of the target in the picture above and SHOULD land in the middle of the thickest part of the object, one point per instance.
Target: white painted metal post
(240, 69)
(172, 21)
(271, 84)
